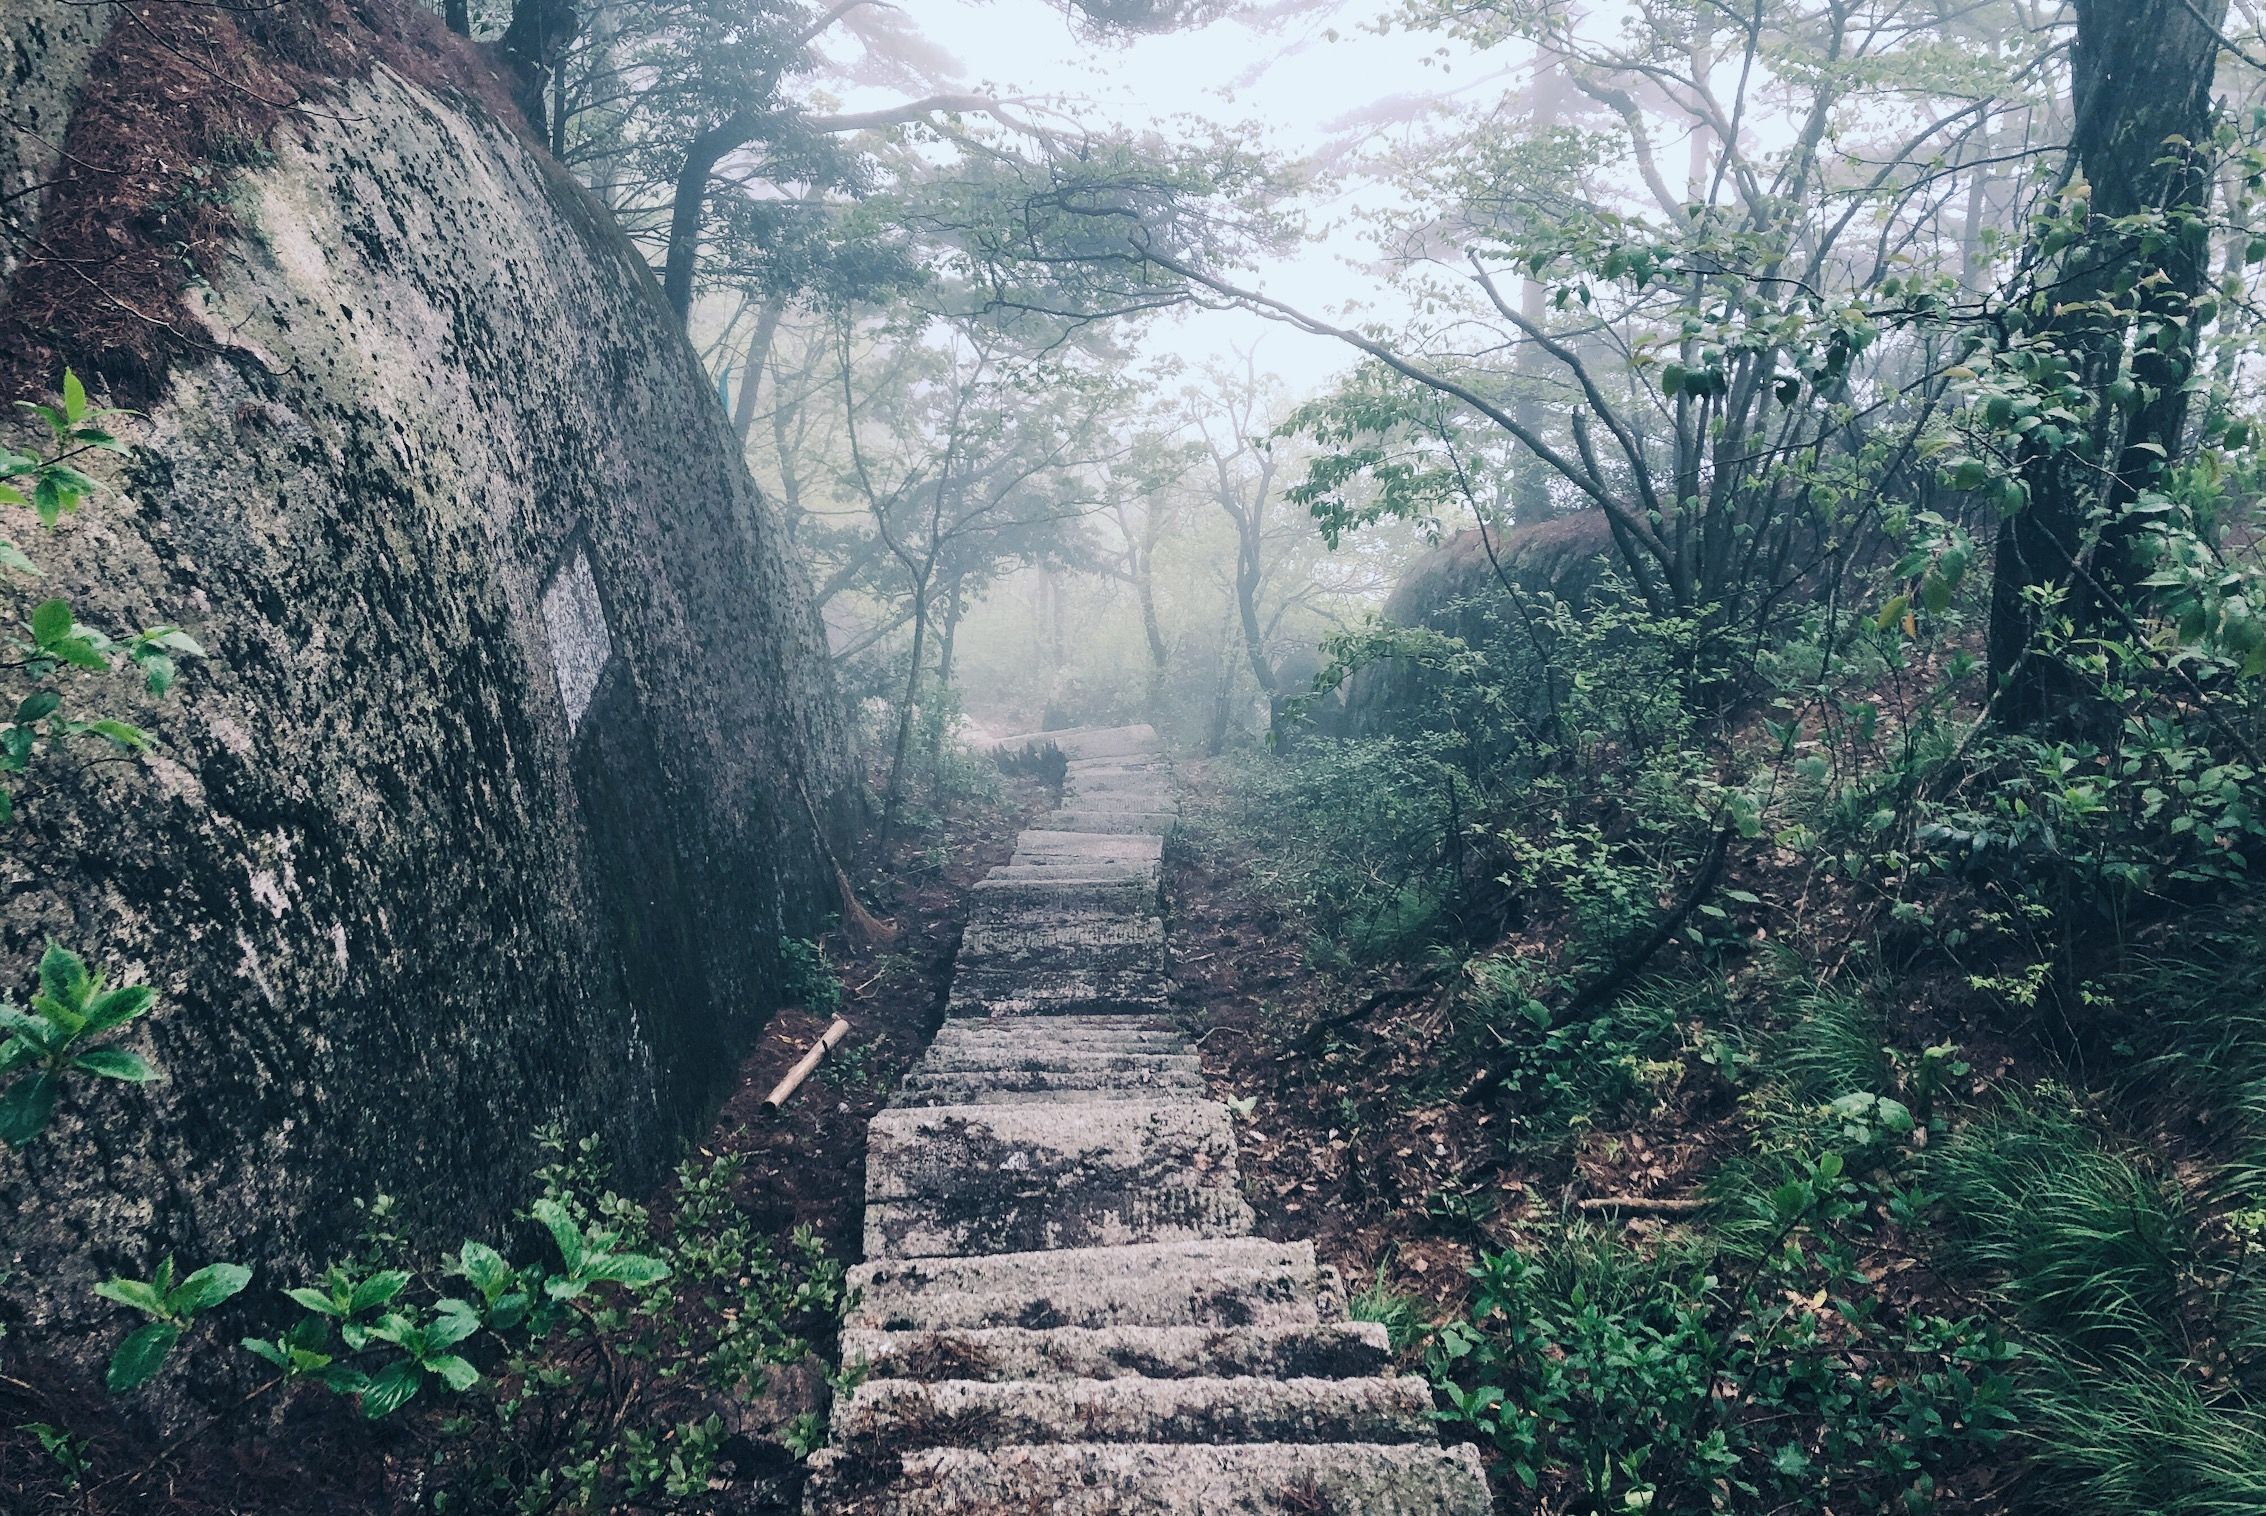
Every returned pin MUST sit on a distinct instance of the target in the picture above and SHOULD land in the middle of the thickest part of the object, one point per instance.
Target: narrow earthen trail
(1063, 1309)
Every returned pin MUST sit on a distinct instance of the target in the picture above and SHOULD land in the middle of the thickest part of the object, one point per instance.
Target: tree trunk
(690, 201)
(751, 372)
(2141, 75)
(458, 15)
(530, 48)
(895, 794)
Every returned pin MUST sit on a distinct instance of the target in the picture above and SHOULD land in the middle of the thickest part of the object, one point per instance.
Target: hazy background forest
(1701, 561)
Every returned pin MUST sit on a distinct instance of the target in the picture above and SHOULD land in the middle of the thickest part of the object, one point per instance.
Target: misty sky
(1306, 91)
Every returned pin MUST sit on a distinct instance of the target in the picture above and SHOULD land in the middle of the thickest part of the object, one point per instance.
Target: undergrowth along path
(1062, 1307)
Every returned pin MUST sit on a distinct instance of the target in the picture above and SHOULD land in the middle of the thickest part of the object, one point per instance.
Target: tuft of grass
(2092, 1249)
(1835, 1047)
(2142, 1443)
(1403, 1316)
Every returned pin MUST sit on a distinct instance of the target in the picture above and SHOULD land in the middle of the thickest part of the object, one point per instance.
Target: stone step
(1018, 992)
(1067, 996)
(1041, 1089)
(1085, 819)
(1220, 1298)
(1008, 1178)
(1336, 1349)
(1087, 1214)
(1006, 939)
(1035, 1056)
(1074, 871)
(1162, 1479)
(1060, 1034)
(1068, 1268)
(1040, 842)
(996, 899)
(886, 1415)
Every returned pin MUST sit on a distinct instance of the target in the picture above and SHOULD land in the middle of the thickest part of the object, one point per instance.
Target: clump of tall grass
(2141, 1442)
(1834, 1047)
(2093, 1249)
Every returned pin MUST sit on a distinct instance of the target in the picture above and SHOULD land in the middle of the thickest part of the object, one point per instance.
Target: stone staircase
(1063, 1308)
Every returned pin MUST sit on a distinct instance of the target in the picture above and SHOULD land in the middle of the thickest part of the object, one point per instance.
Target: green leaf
(51, 622)
(391, 1388)
(634, 1270)
(37, 707)
(158, 671)
(484, 1268)
(116, 1063)
(63, 974)
(119, 1006)
(316, 1301)
(377, 1290)
(138, 1294)
(25, 1107)
(131, 737)
(563, 1231)
(208, 1287)
(12, 557)
(74, 396)
(140, 1356)
(453, 1322)
(455, 1372)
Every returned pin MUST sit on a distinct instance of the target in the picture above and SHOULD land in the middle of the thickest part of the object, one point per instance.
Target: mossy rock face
(494, 798)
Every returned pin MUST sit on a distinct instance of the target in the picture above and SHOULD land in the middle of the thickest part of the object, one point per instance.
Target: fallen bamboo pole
(801, 1071)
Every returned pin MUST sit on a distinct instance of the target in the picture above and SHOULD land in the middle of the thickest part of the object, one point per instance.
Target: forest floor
(1346, 1082)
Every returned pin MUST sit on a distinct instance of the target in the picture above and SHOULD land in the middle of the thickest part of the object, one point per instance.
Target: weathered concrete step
(1058, 1034)
(1039, 842)
(893, 1415)
(1061, 1034)
(1085, 871)
(1005, 938)
(1084, 742)
(1082, 819)
(1217, 1298)
(1044, 1088)
(1330, 1350)
(995, 899)
(1166, 1479)
(1103, 989)
(1085, 1214)
(1069, 998)
(1069, 1267)
(1031, 1055)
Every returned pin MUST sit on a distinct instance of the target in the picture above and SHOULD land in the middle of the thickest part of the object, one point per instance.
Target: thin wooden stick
(801, 1071)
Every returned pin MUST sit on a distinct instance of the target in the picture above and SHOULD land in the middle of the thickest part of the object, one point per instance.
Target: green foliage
(172, 1306)
(56, 1040)
(53, 646)
(1627, 1380)
(1563, 1074)
(806, 979)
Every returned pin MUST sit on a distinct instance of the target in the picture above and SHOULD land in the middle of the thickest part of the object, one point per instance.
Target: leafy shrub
(1615, 1379)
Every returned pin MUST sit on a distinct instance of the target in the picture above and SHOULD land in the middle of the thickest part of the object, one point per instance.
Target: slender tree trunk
(2141, 76)
(948, 637)
(458, 15)
(895, 794)
(751, 371)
